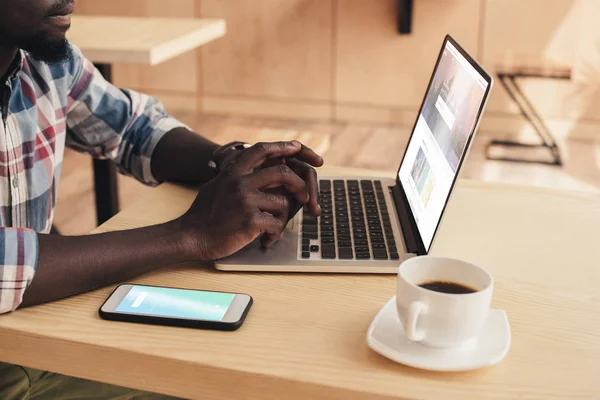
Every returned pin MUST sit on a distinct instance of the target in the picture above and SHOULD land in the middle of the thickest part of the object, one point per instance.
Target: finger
(270, 227)
(257, 154)
(279, 176)
(276, 204)
(272, 162)
(308, 155)
(311, 181)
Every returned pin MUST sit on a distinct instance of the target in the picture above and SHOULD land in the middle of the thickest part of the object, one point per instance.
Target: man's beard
(46, 49)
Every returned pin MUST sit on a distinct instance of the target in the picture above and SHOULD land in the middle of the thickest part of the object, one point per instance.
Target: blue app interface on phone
(178, 303)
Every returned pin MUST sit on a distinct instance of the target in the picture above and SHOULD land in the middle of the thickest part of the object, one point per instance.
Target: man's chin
(48, 49)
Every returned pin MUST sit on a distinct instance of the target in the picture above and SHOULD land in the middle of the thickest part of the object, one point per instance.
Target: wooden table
(151, 41)
(305, 336)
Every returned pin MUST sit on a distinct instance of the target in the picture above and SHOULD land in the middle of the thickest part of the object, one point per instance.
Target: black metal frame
(105, 175)
(509, 82)
(405, 12)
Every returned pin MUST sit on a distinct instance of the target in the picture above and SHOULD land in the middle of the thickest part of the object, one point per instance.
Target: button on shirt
(45, 108)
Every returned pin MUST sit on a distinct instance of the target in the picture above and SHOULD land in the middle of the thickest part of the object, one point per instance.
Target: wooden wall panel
(376, 66)
(177, 76)
(274, 49)
(552, 28)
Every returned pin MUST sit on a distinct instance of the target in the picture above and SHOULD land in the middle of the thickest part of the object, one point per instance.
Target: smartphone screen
(176, 303)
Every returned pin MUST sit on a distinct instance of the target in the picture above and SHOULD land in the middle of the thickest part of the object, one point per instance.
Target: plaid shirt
(45, 107)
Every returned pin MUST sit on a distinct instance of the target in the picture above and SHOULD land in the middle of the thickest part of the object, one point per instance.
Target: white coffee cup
(438, 319)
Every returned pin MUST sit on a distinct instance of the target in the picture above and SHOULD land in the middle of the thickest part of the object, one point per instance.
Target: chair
(529, 66)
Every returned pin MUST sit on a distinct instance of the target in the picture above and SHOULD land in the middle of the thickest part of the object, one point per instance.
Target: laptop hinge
(408, 230)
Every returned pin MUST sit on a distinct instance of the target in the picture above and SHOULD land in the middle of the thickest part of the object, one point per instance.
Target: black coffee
(447, 287)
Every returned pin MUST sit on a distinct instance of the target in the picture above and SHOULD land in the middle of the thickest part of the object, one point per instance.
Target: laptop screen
(440, 138)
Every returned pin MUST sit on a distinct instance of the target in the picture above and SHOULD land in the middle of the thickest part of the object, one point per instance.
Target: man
(50, 95)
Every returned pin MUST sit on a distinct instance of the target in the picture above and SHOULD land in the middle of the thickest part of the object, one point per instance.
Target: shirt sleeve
(18, 257)
(111, 123)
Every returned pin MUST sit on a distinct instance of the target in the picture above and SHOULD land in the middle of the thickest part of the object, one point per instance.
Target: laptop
(369, 224)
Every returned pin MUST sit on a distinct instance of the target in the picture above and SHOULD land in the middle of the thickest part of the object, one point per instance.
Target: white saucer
(386, 337)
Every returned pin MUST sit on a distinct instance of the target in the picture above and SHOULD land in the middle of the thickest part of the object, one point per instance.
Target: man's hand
(245, 201)
(301, 163)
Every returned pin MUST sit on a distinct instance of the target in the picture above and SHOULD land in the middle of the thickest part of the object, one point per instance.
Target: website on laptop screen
(440, 138)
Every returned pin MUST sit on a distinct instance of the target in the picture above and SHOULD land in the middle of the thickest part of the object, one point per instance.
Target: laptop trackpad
(284, 252)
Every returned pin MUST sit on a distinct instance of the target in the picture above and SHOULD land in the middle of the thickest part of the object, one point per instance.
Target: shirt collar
(15, 67)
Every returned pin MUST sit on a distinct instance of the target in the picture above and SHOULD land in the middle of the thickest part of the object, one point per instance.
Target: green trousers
(18, 383)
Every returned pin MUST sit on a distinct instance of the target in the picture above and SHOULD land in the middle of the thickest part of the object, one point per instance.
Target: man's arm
(183, 156)
(68, 265)
(229, 212)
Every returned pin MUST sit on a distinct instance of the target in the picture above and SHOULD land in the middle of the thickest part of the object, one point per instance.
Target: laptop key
(394, 256)
(377, 240)
(378, 246)
(363, 256)
(314, 248)
(305, 247)
(327, 228)
(310, 235)
(327, 234)
(305, 254)
(344, 243)
(310, 228)
(345, 253)
(345, 231)
(392, 249)
(327, 241)
(360, 242)
(328, 251)
(324, 184)
(305, 241)
(309, 221)
(361, 249)
(380, 254)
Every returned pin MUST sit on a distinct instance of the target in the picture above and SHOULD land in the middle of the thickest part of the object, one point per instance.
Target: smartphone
(176, 307)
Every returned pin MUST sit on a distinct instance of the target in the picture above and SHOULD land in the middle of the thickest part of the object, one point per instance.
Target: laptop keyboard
(354, 223)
